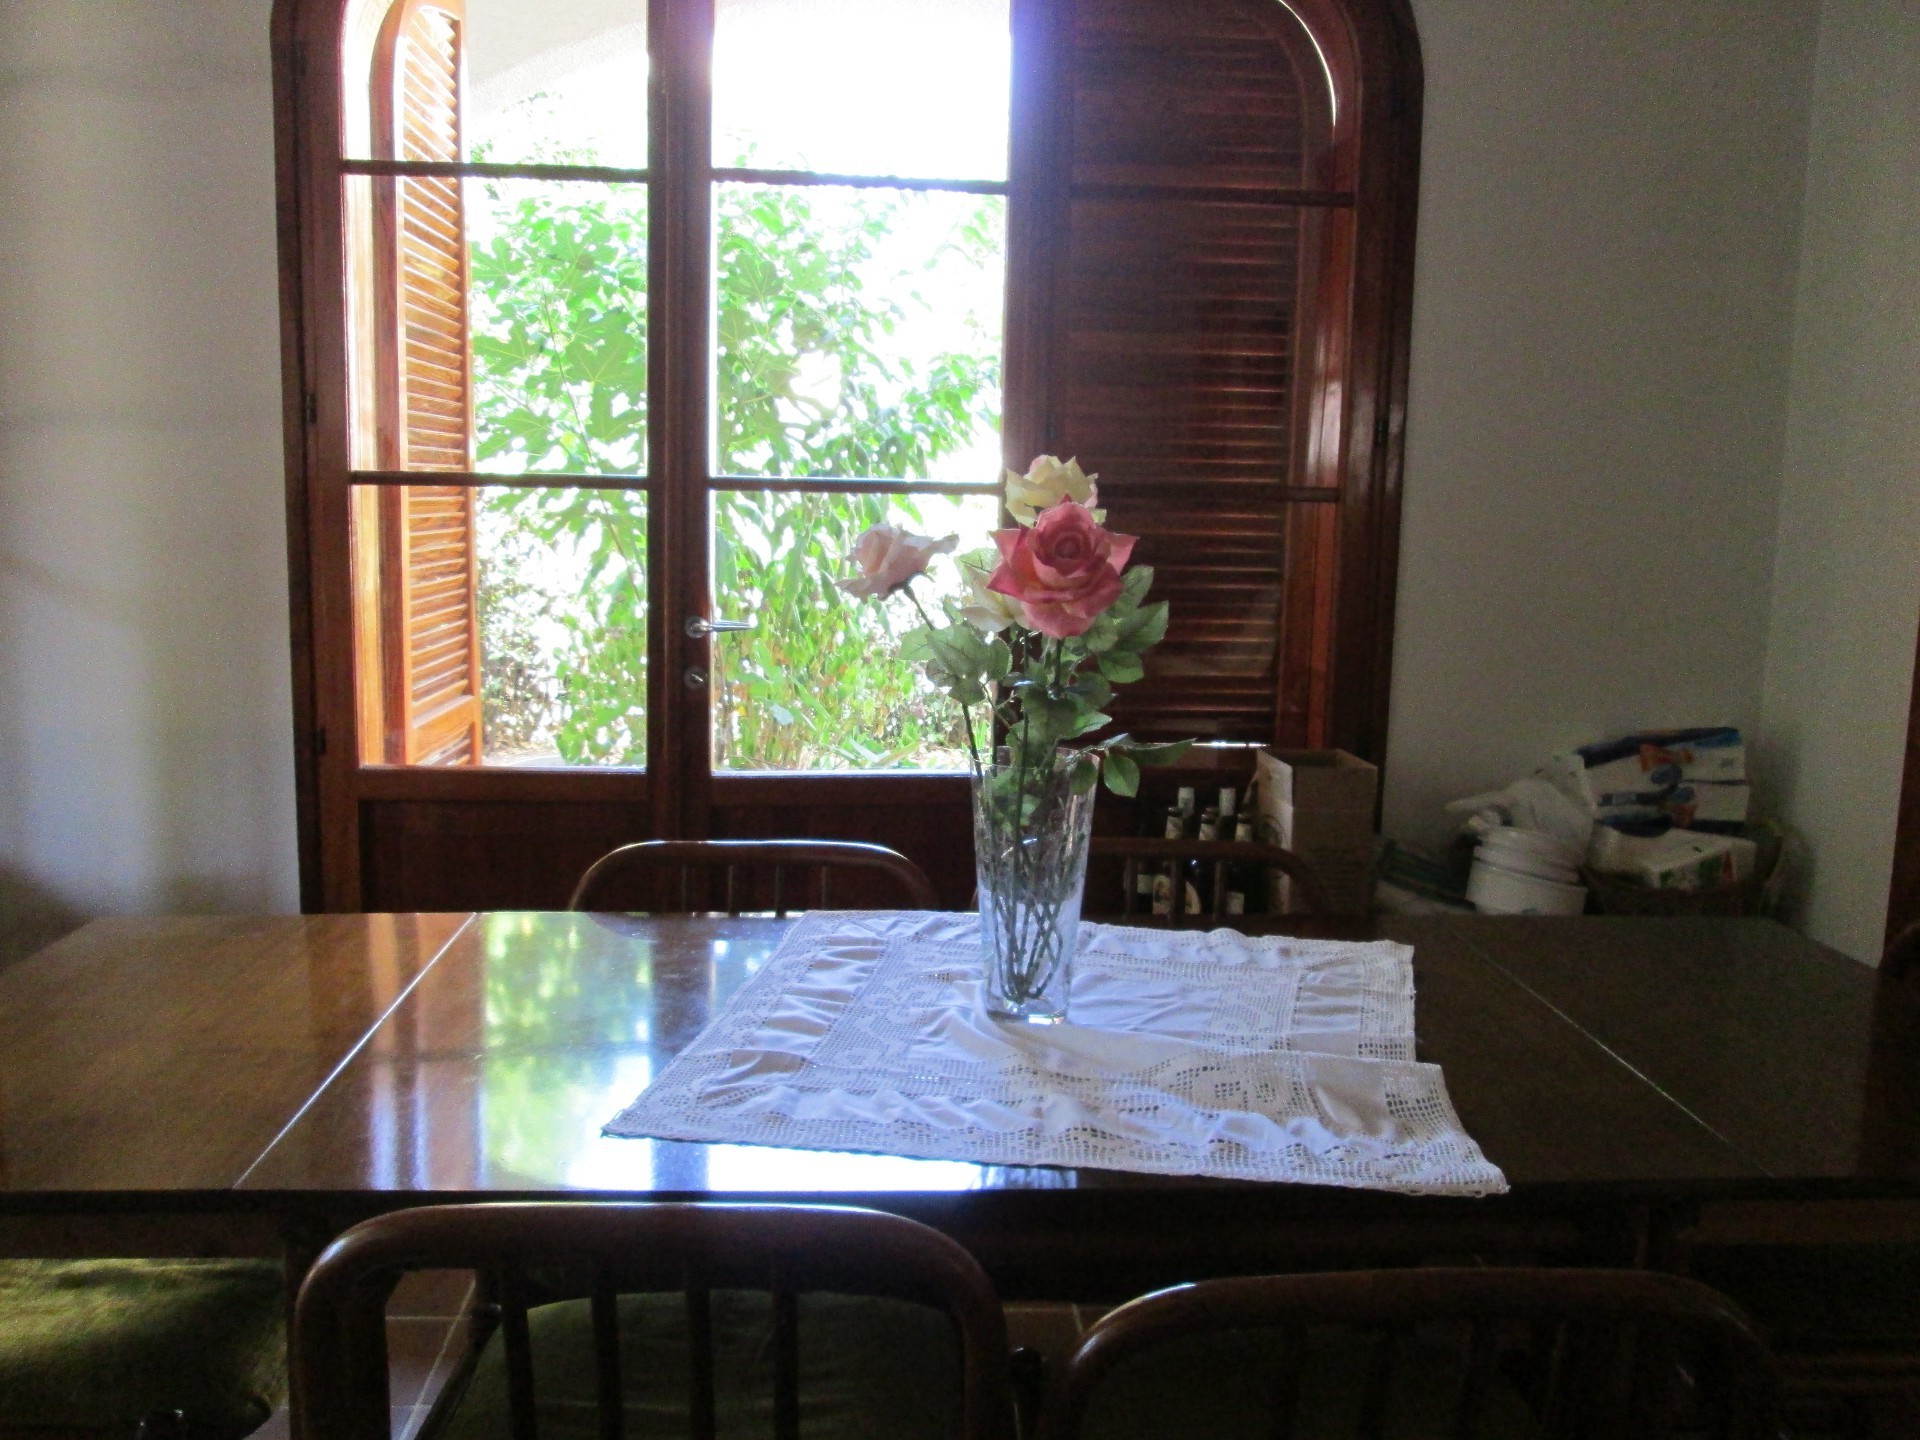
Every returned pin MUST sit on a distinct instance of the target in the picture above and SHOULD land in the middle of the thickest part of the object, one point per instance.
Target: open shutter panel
(1173, 346)
(432, 638)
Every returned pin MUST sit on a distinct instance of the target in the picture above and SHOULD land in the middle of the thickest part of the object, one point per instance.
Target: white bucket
(1498, 891)
(1526, 862)
(1510, 839)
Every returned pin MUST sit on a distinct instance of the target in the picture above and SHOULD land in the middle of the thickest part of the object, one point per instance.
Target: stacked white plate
(1522, 872)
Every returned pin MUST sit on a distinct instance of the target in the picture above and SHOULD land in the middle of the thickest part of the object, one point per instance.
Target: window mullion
(679, 371)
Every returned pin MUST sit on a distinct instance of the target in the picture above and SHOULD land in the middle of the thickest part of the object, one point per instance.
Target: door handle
(699, 627)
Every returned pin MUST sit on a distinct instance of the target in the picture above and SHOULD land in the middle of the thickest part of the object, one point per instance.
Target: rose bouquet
(1054, 617)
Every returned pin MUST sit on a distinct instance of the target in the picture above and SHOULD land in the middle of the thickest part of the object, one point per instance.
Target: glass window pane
(818, 683)
(858, 332)
(506, 332)
(863, 87)
(559, 283)
(559, 82)
(562, 610)
(551, 583)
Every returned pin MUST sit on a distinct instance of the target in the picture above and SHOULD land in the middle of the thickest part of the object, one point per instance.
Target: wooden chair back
(339, 1333)
(680, 870)
(1213, 857)
(1605, 1345)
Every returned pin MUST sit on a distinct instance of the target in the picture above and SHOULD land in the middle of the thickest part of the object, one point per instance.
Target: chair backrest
(339, 1332)
(1603, 1346)
(678, 868)
(1212, 862)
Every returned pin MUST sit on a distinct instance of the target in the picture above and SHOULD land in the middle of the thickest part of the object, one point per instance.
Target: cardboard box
(1319, 804)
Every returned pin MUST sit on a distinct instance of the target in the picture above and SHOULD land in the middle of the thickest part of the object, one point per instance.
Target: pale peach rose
(1046, 483)
(888, 557)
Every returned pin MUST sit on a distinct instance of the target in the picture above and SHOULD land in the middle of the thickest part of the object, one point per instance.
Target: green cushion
(93, 1346)
(1813, 1298)
(1223, 1387)
(869, 1370)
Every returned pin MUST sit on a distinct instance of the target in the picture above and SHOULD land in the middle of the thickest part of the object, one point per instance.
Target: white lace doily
(1188, 1054)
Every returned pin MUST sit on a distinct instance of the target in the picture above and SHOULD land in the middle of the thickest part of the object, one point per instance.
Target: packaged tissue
(1684, 860)
(1639, 770)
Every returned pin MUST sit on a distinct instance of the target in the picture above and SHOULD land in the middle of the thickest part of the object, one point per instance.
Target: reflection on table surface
(349, 1055)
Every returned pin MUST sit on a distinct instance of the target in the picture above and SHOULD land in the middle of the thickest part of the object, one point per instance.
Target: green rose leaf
(1165, 754)
(1123, 775)
(1144, 630)
(999, 659)
(1102, 633)
(965, 689)
(1091, 690)
(1122, 667)
(1086, 771)
(959, 650)
(1134, 586)
(916, 646)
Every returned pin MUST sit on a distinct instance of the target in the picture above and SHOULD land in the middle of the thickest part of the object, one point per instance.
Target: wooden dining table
(254, 1085)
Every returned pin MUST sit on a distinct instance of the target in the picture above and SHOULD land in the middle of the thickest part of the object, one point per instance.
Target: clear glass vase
(1030, 834)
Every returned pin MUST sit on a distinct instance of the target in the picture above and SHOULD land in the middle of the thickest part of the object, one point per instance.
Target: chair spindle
(1474, 1383)
(610, 1394)
(700, 1400)
(1373, 1408)
(786, 1365)
(1287, 1377)
(522, 1418)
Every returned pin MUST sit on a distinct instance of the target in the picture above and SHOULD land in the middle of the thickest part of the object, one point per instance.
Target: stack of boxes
(1668, 806)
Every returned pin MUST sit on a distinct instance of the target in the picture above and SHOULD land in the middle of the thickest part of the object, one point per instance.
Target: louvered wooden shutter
(1175, 253)
(430, 638)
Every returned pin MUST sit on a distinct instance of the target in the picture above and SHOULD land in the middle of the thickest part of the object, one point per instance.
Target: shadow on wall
(30, 918)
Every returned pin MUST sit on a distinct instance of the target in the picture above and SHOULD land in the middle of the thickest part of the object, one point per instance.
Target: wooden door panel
(927, 818)
(424, 855)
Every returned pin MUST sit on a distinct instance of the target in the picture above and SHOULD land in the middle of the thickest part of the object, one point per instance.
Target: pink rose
(1064, 571)
(888, 557)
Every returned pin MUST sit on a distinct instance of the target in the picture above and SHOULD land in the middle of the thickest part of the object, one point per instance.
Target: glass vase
(1030, 833)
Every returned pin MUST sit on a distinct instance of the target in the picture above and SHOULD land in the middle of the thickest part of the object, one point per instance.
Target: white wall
(145, 719)
(1846, 583)
(1608, 221)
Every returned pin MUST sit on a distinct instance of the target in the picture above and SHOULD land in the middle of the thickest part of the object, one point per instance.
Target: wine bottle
(1246, 880)
(1163, 878)
(1202, 875)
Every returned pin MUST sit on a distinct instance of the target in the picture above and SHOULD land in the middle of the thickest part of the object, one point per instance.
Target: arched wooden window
(1203, 217)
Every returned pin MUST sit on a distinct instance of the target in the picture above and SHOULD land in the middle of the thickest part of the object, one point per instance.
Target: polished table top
(306, 1060)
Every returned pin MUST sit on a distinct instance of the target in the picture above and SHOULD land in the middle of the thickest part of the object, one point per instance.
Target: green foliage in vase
(807, 384)
(1039, 692)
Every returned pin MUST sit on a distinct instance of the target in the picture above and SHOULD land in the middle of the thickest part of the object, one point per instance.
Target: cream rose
(1046, 483)
(986, 610)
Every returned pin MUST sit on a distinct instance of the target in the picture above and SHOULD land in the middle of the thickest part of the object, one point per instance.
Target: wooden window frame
(1351, 656)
